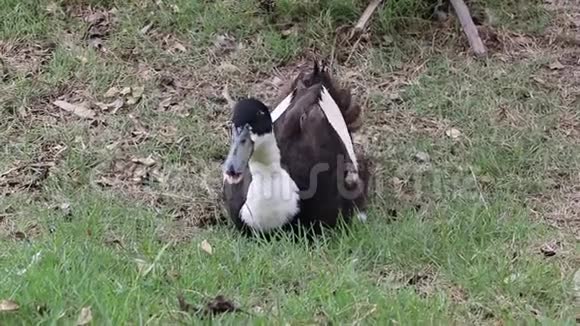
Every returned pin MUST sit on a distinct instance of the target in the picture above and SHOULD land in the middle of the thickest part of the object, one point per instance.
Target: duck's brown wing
(314, 154)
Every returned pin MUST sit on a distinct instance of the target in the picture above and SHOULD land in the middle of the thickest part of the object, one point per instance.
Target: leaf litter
(125, 96)
(28, 58)
(28, 175)
(134, 171)
(215, 306)
(81, 110)
(225, 44)
(100, 23)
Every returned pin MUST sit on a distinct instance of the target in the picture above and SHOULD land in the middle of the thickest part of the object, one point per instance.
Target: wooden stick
(364, 18)
(469, 27)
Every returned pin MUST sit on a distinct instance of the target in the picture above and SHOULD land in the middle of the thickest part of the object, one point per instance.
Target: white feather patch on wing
(334, 116)
(281, 108)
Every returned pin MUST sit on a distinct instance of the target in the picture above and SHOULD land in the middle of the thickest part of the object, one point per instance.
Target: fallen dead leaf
(113, 106)
(224, 44)
(19, 235)
(8, 305)
(556, 65)
(85, 316)
(453, 133)
(217, 305)
(80, 110)
(220, 304)
(292, 30)
(96, 18)
(145, 29)
(125, 91)
(112, 92)
(180, 47)
(148, 161)
(64, 208)
(228, 67)
(422, 157)
(137, 91)
(97, 43)
(550, 249)
(205, 246)
(82, 59)
(136, 94)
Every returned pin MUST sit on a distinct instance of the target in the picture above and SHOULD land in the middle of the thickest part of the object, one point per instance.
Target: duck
(296, 166)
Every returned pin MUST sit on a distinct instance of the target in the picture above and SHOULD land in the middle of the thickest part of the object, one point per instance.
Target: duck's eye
(243, 141)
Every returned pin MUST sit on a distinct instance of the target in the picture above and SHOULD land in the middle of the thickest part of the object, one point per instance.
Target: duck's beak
(241, 150)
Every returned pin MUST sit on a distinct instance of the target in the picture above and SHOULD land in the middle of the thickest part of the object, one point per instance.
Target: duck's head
(251, 123)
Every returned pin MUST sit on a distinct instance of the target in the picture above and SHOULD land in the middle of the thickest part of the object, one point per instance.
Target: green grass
(451, 241)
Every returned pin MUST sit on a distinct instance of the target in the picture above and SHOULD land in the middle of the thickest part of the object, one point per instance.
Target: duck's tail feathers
(320, 74)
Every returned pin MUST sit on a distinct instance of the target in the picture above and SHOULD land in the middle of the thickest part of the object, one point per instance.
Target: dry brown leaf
(453, 133)
(422, 157)
(228, 67)
(166, 103)
(205, 246)
(148, 161)
(125, 91)
(225, 44)
(80, 110)
(85, 316)
(8, 305)
(220, 305)
(82, 59)
(550, 249)
(180, 47)
(97, 43)
(138, 91)
(95, 17)
(292, 30)
(136, 94)
(113, 106)
(556, 65)
(145, 29)
(112, 92)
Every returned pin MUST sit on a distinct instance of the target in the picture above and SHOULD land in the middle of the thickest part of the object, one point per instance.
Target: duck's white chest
(271, 201)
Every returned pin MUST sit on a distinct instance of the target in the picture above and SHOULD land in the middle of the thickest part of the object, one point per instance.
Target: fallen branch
(469, 28)
(364, 19)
